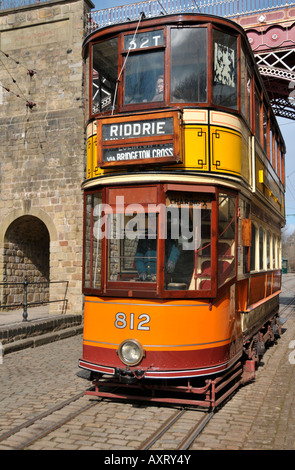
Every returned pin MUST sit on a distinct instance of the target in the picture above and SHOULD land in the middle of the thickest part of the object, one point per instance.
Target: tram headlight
(130, 352)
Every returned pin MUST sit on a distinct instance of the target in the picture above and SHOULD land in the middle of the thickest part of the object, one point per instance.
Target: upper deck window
(144, 68)
(104, 74)
(225, 70)
(189, 65)
(144, 77)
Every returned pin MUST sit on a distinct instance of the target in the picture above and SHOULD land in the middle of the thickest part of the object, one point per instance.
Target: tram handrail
(153, 8)
(25, 304)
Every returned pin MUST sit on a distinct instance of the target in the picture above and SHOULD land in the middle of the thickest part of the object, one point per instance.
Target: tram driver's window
(188, 242)
(132, 248)
(225, 70)
(104, 75)
(92, 241)
(144, 77)
(189, 69)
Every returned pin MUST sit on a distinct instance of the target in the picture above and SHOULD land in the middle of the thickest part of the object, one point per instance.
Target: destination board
(140, 139)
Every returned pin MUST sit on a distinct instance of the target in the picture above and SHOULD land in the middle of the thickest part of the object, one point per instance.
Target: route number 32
(131, 322)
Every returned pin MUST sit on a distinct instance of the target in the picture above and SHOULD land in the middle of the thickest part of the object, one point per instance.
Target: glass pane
(249, 79)
(268, 250)
(189, 70)
(188, 242)
(243, 83)
(261, 242)
(144, 77)
(226, 238)
(257, 115)
(92, 260)
(96, 245)
(224, 70)
(104, 75)
(253, 249)
(265, 129)
(132, 248)
(87, 240)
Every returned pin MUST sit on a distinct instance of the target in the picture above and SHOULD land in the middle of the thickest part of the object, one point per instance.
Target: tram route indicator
(127, 130)
(138, 153)
(130, 140)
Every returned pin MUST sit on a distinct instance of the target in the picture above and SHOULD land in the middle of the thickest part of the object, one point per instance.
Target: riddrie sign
(132, 140)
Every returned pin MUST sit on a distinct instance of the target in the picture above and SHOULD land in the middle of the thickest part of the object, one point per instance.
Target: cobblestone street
(260, 416)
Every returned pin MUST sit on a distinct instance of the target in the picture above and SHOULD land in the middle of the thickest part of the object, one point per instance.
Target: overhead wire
(29, 103)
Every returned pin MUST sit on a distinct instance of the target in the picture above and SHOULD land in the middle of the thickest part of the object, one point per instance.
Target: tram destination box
(139, 139)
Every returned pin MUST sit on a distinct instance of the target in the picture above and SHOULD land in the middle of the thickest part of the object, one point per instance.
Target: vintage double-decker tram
(184, 204)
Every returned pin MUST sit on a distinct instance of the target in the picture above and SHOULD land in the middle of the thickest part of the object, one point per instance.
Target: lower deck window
(188, 221)
(132, 248)
(186, 244)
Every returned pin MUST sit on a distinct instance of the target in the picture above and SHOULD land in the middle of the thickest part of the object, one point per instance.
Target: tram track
(29, 432)
(157, 441)
(184, 442)
(47, 429)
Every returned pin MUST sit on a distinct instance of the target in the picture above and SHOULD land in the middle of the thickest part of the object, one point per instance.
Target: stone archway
(26, 254)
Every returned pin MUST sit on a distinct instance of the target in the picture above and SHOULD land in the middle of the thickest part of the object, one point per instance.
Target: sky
(287, 128)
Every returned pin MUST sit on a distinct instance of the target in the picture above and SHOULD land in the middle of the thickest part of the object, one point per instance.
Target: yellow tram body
(222, 164)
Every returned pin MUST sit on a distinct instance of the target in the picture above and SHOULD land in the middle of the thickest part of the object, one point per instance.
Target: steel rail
(188, 439)
(29, 422)
(56, 425)
(159, 433)
(193, 434)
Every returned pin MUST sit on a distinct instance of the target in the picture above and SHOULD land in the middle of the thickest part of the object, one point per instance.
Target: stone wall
(42, 140)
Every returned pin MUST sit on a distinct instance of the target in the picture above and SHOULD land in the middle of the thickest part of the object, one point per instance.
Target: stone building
(42, 150)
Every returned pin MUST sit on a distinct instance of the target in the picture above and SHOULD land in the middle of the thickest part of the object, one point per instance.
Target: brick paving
(260, 416)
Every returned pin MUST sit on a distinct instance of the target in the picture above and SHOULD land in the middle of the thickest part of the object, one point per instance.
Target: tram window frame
(272, 139)
(113, 86)
(246, 86)
(265, 130)
(186, 199)
(268, 250)
(139, 200)
(139, 52)
(254, 248)
(88, 268)
(225, 47)
(261, 235)
(197, 71)
(257, 115)
(244, 80)
(227, 243)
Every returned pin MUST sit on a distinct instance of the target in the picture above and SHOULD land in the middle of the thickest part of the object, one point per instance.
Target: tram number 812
(140, 323)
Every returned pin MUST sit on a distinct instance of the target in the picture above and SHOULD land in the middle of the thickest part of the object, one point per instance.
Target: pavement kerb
(35, 341)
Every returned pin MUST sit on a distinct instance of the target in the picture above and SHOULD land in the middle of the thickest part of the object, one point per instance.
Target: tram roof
(160, 20)
(156, 8)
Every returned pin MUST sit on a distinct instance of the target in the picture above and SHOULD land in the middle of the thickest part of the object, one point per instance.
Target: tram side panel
(179, 338)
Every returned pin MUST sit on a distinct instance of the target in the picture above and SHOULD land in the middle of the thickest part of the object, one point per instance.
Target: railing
(153, 8)
(25, 304)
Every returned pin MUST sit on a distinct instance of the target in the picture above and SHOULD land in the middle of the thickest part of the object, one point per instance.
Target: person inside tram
(146, 256)
(159, 89)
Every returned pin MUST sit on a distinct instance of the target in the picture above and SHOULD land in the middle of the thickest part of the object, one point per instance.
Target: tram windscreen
(132, 252)
(189, 65)
(188, 221)
(144, 77)
(92, 242)
(104, 75)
